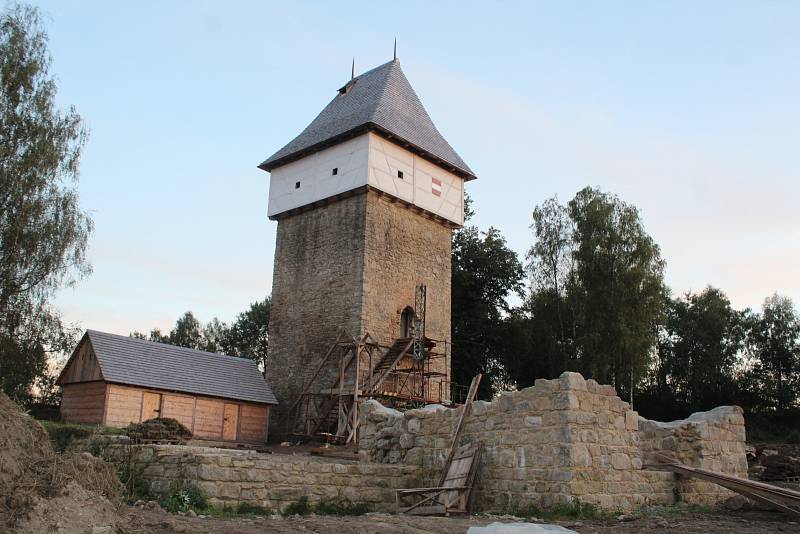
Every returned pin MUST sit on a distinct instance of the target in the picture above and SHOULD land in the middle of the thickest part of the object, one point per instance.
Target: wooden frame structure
(453, 494)
(328, 405)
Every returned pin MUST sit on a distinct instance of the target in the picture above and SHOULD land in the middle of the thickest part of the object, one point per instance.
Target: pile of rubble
(774, 463)
(43, 491)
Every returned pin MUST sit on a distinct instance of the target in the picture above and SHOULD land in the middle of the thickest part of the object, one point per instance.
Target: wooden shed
(116, 380)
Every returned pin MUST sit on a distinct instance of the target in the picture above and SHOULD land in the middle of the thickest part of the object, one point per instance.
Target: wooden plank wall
(204, 416)
(253, 422)
(83, 367)
(179, 407)
(83, 403)
(208, 416)
(124, 405)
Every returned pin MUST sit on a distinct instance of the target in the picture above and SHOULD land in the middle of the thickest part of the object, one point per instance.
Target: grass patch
(564, 512)
(63, 434)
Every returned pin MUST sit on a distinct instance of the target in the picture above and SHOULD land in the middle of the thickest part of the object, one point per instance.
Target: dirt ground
(740, 522)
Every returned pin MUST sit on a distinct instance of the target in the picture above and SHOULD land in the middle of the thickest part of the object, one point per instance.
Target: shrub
(252, 509)
(62, 434)
(184, 499)
(299, 507)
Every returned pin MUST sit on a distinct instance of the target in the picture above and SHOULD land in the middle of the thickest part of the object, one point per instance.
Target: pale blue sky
(689, 110)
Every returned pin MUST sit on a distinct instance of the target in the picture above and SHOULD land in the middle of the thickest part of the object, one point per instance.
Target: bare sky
(688, 110)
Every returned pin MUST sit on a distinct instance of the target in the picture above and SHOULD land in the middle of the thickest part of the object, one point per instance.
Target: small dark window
(335, 171)
(400, 174)
(297, 185)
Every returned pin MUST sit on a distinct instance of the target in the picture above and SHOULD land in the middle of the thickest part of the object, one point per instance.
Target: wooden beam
(473, 390)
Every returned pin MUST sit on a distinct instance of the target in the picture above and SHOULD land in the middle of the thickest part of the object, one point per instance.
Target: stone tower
(366, 198)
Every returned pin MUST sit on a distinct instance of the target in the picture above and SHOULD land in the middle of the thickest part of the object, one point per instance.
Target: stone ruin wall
(713, 440)
(557, 441)
(560, 440)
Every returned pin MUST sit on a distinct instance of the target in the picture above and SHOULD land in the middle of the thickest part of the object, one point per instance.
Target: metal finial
(353, 69)
(395, 49)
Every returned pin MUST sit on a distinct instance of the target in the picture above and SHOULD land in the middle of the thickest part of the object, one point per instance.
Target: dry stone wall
(557, 441)
(269, 480)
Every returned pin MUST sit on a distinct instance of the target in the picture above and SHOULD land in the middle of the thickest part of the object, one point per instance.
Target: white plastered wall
(417, 184)
(367, 159)
(315, 174)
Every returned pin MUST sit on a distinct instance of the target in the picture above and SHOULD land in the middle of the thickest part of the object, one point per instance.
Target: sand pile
(41, 491)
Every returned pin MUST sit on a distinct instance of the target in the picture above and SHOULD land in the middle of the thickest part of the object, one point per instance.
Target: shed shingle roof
(383, 100)
(127, 360)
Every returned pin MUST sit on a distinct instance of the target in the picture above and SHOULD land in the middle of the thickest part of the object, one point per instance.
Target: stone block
(566, 401)
(574, 381)
(532, 421)
(406, 441)
(413, 425)
(620, 461)
(631, 420)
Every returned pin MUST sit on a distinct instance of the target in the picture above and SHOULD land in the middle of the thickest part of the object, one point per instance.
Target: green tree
(699, 349)
(775, 345)
(249, 334)
(187, 332)
(618, 287)
(43, 231)
(247, 337)
(485, 272)
(596, 291)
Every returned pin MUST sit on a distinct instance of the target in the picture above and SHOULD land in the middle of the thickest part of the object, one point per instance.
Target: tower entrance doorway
(407, 322)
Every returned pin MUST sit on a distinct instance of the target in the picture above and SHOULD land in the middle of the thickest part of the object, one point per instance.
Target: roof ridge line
(384, 86)
(150, 342)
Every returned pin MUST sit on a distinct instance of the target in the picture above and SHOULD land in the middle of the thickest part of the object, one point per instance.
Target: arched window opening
(407, 322)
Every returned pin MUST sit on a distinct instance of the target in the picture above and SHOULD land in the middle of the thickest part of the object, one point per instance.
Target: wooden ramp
(775, 497)
(453, 495)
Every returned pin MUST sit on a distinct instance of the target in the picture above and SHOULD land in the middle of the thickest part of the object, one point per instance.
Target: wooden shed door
(231, 422)
(151, 405)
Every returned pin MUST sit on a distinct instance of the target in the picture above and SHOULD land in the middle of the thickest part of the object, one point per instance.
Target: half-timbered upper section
(374, 133)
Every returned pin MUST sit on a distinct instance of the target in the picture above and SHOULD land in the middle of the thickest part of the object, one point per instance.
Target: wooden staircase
(388, 363)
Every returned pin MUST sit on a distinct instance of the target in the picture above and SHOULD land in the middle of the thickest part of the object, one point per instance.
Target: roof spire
(395, 49)
(353, 69)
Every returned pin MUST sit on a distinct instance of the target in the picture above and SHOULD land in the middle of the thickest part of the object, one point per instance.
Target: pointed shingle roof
(127, 360)
(380, 100)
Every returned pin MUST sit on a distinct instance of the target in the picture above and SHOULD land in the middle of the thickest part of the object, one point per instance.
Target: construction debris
(158, 430)
(774, 497)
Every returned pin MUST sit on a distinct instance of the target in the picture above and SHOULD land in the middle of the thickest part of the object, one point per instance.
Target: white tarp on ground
(520, 528)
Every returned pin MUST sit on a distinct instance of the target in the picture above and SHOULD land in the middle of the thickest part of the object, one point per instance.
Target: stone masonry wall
(556, 441)
(353, 264)
(713, 440)
(269, 480)
(316, 290)
(403, 249)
